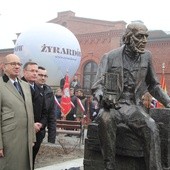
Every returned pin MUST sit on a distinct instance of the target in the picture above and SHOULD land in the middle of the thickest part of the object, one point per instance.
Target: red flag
(163, 85)
(65, 99)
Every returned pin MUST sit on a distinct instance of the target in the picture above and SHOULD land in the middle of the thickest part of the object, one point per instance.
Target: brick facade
(97, 37)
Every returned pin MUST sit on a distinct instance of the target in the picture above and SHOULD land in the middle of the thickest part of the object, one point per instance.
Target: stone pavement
(76, 164)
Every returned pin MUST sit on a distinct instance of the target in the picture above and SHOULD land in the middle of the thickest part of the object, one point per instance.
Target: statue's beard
(136, 50)
(137, 46)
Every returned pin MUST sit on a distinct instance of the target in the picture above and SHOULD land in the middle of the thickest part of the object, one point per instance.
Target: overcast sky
(19, 15)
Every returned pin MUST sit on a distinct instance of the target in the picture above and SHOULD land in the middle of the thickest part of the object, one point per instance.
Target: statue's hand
(107, 105)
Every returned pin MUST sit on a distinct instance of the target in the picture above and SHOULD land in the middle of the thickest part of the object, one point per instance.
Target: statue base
(129, 151)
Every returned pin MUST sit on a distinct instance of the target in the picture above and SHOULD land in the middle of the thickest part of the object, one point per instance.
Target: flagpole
(162, 83)
(163, 68)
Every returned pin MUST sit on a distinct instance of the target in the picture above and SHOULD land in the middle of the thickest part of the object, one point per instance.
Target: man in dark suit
(30, 72)
(124, 75)
(49, 100)
(17, 134)
(72, 114)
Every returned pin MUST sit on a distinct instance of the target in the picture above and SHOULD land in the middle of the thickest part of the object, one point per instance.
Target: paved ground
(75, 164)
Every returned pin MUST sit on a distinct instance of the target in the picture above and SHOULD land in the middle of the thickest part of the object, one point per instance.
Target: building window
(90, 70)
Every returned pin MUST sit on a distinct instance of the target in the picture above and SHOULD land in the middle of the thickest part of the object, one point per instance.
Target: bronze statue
(123, 76)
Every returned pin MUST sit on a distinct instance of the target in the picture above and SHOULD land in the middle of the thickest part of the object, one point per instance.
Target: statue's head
(136, 37)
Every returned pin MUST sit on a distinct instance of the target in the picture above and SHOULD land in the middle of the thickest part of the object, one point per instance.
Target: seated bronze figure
(123, 76)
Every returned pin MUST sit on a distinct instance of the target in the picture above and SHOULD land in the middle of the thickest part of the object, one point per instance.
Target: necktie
(32, 87)
(32, 90)
(18, 88)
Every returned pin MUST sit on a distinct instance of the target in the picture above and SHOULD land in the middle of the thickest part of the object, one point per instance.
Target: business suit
(51, 125)
(40, 115)
(129, 82)
(16, 126)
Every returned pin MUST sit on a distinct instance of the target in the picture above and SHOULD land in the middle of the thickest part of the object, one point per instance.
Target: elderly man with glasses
(17, 134)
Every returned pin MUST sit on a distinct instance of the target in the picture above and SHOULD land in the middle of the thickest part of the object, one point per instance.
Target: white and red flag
(57, 102)
(81, 105)
(163, 86)
(66, 99)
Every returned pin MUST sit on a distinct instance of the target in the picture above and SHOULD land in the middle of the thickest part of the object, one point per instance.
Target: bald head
(10, 57)
(12, 66)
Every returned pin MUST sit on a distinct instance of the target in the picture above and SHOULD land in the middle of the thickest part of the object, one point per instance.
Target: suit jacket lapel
(24, 89)
(13, 90)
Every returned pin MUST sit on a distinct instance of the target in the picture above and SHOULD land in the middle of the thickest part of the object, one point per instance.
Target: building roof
(88, 26)
(80, 25)
(158, 34)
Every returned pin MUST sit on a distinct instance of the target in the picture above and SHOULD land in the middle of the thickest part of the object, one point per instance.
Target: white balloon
(52, 46)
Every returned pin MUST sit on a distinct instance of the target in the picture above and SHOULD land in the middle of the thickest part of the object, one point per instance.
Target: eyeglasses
(42, 75)
(13, 64)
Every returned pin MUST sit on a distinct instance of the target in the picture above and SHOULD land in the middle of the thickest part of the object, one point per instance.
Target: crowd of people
(26, 111)
(29, 107)
(83, 107)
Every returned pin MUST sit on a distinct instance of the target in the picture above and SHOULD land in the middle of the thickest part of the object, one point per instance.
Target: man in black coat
(30, 72)
(123, 76)
(62, 82)
(72, 114)
(49, 100)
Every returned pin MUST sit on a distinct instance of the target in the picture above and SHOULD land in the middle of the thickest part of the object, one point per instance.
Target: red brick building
(97, 37)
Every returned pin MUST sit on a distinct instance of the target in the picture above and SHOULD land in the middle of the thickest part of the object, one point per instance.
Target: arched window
(90, 70)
